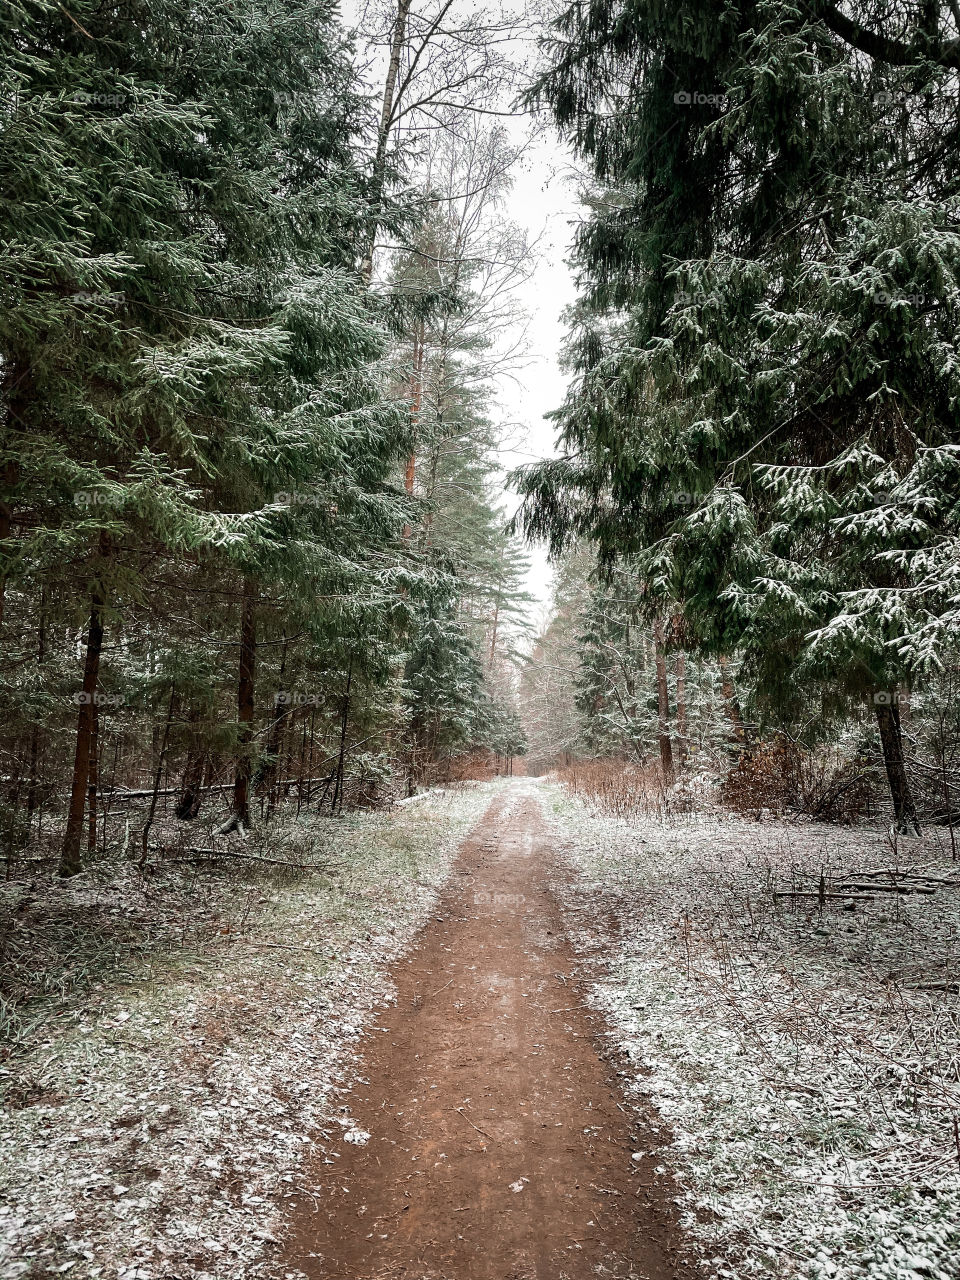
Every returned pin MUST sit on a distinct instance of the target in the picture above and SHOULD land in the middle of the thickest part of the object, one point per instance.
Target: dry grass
(628, 790)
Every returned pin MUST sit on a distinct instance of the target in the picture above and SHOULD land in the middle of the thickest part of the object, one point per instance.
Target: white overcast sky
(544, 202)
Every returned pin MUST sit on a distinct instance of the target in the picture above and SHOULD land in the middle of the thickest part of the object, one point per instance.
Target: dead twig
(482, 1132)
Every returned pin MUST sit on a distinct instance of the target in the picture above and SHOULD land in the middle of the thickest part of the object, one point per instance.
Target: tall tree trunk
(491, 658)
(681, 677)
(663, 705)
(341, 759)
(303, 760)
(416, 403)
(383, 132)
(93, 780)
(245, 702)
(188, 802)
(9, 475)
(409, 476)
(191, 782)
(891, 740)
(35, 729)
(157, 778)
(70, 860)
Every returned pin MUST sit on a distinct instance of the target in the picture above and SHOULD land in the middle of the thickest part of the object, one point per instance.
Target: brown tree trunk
(9, 476)
(70, 860)
(35, 730)
(157, 778)
(891, 740)
(191, 782)
(681, 677)
(341, 759)
(416, 401)
(188, 802)
(92, 781)
(663, 705)
(245, 702)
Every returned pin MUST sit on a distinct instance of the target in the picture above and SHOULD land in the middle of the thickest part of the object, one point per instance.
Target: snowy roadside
(803, 1053)
(154, 1127)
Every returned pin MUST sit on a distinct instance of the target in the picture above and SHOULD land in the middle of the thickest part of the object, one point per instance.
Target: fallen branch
(120, 793)
(890, 888)
(815, 893)
(274, 946)
(191, 855)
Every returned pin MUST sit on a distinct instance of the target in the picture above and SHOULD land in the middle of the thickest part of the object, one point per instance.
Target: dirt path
(500, 1148)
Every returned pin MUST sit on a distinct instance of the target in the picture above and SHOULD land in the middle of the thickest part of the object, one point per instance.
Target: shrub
(780, 775)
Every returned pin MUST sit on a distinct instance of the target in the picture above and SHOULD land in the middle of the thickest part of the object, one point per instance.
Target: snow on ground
(803, 1054)
(160, 1109)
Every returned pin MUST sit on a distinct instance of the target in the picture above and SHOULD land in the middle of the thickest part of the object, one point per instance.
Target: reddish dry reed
(625, 789)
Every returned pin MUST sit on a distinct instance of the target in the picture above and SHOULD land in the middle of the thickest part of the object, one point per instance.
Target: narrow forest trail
(500, 1148)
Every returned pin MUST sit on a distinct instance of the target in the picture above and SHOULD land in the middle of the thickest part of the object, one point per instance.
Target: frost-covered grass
(803, 1053)
(162, 1094)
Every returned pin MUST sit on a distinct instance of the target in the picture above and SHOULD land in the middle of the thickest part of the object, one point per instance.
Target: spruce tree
(763, 414)
(185, 331)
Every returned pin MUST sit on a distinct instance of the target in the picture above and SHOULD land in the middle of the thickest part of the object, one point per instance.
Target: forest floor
(787, 993)
(491, 1035)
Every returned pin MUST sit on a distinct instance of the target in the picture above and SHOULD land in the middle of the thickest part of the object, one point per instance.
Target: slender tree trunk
(409, 476)
(93, 780)
(338, 789)
(9, 476)
(35, 729)
(70, 861)
(493, 637)
(245, 702)
(108, 806)
(157, 777)
(300, 773)
(416, 402)
(680, 672)
(188, 801)
(383, 132)
(267, 774)
(419, 355)
(891, 740)
(663, 705)
(191, 793)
